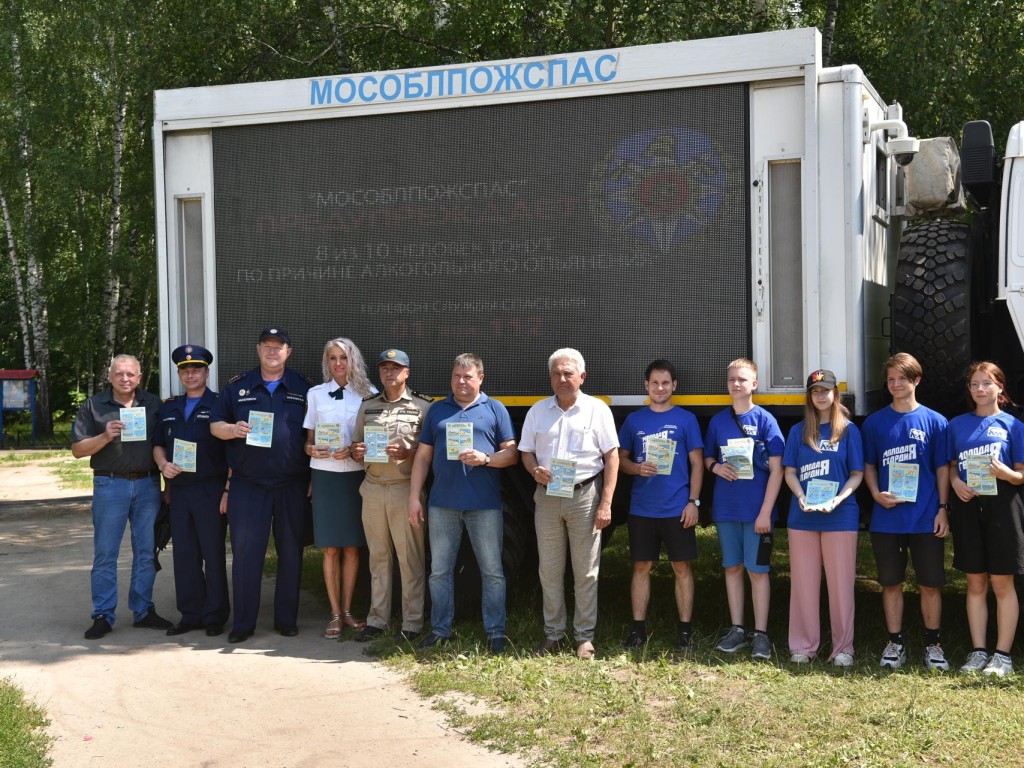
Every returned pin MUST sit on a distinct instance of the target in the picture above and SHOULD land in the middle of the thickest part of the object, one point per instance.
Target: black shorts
(988, 532)
(927, 551)
(647, 533)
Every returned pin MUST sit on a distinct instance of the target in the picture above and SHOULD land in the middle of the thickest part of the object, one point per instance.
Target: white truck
(697, 201)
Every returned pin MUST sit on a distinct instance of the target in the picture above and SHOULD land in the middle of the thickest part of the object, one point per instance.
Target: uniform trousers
(253, 510)
(386, 524)
(561, 521)
(809, 551)
(197, 532)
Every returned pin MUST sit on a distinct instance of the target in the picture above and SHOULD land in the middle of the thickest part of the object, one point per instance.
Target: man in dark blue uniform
(260, 413)
(195, 466)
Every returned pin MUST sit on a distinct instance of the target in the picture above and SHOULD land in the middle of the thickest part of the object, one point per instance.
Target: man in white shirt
(570, 447)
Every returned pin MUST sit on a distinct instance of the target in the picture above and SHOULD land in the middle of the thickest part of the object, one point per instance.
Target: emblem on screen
(662, 186)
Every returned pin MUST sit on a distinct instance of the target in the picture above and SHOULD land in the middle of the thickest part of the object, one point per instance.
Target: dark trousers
(200, 572)
(253, 510)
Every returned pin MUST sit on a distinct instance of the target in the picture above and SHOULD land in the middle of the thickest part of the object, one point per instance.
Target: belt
(126, 475)
(585, 483)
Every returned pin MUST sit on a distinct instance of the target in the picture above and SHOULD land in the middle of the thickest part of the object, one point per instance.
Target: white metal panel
(188, 173)
(740, 58)
(1011, 236)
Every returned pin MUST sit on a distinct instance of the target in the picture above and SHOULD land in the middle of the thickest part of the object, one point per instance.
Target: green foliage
(946, 61)
(23, 743)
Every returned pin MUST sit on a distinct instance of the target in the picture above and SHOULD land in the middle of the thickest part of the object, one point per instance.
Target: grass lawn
(661, 707)
(23, 742)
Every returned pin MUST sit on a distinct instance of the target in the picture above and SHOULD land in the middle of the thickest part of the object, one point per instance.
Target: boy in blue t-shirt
(744, 509)
(663, 504)
(906, 468)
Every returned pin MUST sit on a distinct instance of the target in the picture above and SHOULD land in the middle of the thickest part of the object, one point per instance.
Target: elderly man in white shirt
(570, 447)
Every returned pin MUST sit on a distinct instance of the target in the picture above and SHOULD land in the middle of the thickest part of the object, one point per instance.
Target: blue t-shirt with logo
(918, 438)
(833, 462)
(661, 495)
(740, 501)
(1000, 435)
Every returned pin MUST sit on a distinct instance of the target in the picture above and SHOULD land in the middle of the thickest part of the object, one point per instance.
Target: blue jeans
(117, 502)
(486, 530)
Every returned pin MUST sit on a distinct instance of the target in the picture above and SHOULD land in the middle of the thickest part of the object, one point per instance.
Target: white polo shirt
(584, 434)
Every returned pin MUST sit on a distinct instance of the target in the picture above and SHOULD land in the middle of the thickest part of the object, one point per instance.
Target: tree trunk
(36, 293)
(19, 285)
(828, 31)
(112, 294)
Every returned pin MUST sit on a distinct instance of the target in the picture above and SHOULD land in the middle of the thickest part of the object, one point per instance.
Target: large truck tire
(931, 309)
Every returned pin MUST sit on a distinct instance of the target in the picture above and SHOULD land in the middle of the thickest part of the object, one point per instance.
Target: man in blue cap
(195, 467)
(260, 413)
(399, 411)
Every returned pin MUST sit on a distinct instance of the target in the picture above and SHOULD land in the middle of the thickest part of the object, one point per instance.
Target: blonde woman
(824, 464)
(337, 505)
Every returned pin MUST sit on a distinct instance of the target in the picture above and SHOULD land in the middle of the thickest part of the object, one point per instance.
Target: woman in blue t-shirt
(987, 512)
(824, 464)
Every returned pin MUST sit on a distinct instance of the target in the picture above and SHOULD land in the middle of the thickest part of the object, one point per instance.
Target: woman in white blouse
(337, 505)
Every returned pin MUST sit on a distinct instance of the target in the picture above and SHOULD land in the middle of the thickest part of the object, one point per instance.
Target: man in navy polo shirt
(195, 467)
(269, 481)
(467, 438)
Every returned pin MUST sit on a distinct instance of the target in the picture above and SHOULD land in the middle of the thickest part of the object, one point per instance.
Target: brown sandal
(349, 621)
(333, 627)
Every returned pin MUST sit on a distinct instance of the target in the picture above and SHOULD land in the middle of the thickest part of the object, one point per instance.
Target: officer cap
(276, 332)
(394, 356)
(191, 354)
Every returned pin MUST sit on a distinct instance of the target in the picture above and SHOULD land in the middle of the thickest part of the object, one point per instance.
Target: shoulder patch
(421, 396)
(369, 397)
(172, 398)
(236, 378)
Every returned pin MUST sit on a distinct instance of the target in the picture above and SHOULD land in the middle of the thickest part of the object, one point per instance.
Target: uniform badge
(241, 393)
(188, 349)
(273, 330)
(392, 354)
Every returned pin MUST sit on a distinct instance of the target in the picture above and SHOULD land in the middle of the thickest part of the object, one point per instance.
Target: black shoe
(100, 627)
(152, 620)
(237, 636)
(367, 633)
(408, 636)
(214, 629)
(286, 630)
(434, 641)
(498, 644)
(181, 628)
(685, 641)
(636, 640)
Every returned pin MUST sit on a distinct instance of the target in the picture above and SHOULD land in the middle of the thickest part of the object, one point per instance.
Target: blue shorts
(740, 545)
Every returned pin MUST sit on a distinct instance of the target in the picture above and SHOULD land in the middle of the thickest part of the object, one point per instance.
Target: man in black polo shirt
(115, 428)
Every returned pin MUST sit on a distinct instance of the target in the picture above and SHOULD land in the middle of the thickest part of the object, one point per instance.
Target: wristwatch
(943, 506)
(487, 459)
(695, 502)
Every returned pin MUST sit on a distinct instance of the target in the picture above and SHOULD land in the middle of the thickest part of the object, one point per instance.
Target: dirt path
(140, 698)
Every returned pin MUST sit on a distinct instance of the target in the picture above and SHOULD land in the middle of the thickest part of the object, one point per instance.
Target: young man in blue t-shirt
(665, 497)
(744, 509)
(906, 468)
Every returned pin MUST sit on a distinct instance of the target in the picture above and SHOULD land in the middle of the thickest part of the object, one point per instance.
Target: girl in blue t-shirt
(824, 464)
(987, 512)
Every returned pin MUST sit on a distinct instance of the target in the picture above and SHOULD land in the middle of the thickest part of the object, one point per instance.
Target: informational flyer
(134, 420)
(328, 433)
(458, 438)
(819, 494)
(979, 476)
(184, 455)
(262, 425)
(903, 480)
(376, 438)
(661, 452)
(739, 452)
(563, 478)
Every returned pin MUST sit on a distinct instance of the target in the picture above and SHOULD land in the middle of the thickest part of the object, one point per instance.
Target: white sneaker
(934, 658)
(998, 665)
(842, 660)
(800, 658)
(976, 661)
(894, 656)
